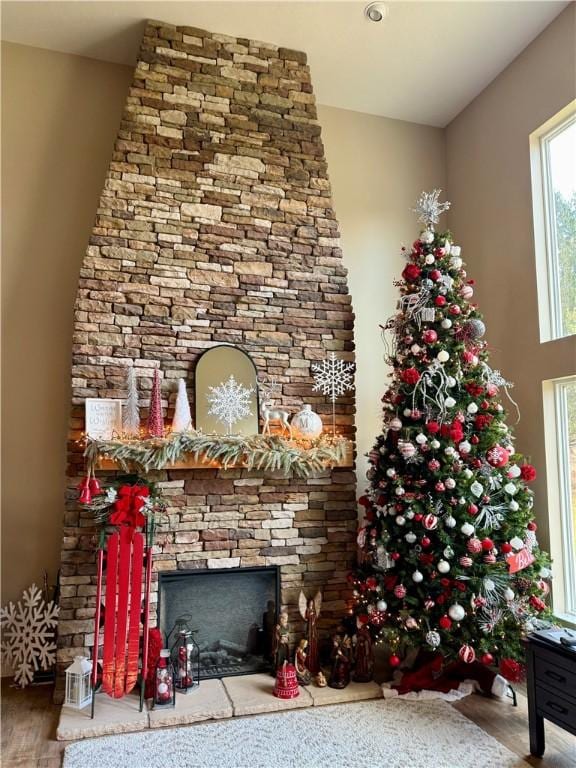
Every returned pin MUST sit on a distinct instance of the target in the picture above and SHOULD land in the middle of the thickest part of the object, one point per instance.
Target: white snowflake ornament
(333, 377)
(230, 402)
(28, 635)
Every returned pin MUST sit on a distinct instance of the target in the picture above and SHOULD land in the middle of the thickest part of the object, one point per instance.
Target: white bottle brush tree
(131, 412)
(182, 420)
(449, 557)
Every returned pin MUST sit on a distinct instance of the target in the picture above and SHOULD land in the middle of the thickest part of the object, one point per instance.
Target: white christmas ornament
(381, 605)
(464, 447)
(456, 612)
(307, 423)
(421, 439)
(427, 237)
(182, 420)
(517, 542)
(456, 250)
(448, 553)
(435, 444)
(476, 489)
(449, 451)
(399, 491)
(395, 424)
(510, 489)
(417, 577)
(472, 408)
(514, 471)
(433, 638)
(415, 349)
(400, 520)
(391, 472)
(467, 473)
(449, 402)
(514, 506)
(446, 323)
(442, 356)
(429, 259)
(29, 635)
(467, 529)
(410, 537)
(509, 594)
(450, 382)
(230, 402)
(450, 521)
(443, 566)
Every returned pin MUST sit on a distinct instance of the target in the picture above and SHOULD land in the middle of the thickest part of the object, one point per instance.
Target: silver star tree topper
(429, 209)
(230, 402)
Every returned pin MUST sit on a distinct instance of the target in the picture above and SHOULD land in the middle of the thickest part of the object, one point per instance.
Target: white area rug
(374, 734)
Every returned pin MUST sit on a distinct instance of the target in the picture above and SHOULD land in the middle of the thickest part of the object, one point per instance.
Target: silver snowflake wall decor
(28, 635)
(429, 209)
(230, 402)
(333, 377)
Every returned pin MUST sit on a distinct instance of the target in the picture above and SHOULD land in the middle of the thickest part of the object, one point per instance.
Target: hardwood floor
(29, 722)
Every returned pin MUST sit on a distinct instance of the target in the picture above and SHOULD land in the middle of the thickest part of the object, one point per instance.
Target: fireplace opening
(232, 611)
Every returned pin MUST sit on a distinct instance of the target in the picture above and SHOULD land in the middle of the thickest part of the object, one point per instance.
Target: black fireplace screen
(233, 610)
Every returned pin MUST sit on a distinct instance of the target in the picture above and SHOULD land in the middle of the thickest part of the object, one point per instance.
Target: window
(554, 195)
(560, 397)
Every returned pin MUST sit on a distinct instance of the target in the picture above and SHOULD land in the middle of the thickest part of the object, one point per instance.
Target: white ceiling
(425, 63)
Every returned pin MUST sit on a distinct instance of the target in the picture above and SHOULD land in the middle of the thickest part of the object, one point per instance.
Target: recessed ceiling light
(376, 11)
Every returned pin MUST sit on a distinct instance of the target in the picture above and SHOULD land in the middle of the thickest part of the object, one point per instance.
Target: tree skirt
(387, 734)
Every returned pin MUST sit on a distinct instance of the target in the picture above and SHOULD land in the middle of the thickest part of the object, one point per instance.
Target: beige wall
(59, 118)
(60, 115)
(488, 162)
(377, 167)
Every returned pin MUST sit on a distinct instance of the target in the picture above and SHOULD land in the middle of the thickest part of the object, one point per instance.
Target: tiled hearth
(214, 700)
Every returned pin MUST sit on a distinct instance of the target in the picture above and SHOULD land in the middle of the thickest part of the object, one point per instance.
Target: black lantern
(185, 657)
(164, 690)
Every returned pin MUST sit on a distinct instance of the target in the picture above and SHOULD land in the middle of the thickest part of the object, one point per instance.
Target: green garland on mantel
(269, 453)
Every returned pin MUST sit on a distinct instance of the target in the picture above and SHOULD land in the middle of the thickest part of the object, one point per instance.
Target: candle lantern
(164, 691)
(186, 662)
(78, 688)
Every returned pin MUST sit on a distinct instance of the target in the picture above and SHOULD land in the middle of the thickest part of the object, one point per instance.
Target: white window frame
(546, 247)
(561, 523)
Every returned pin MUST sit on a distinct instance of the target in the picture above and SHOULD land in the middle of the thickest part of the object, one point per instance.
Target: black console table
(551, 683)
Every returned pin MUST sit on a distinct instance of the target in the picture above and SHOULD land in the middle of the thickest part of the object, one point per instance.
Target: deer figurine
(276, 415)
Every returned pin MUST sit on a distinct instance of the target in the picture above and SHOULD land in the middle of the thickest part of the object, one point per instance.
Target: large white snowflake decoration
(230, 402)
(428, 207)
(28, 635)
(333, 377)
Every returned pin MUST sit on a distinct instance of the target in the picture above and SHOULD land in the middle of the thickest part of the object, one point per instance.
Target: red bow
(128, 506)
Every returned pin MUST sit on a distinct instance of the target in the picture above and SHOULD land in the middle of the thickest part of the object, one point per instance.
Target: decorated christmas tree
(449, 560)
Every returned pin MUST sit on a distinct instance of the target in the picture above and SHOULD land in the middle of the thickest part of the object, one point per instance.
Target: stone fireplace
(216, 225)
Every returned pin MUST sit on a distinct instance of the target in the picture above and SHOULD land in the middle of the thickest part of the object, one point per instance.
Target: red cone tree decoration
(155, 420)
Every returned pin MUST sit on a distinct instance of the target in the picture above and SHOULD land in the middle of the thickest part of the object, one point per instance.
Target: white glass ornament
(406, 448)
(456, 250)
(467, 529)
(514, 471)
(450, 483)
(450, 521)
(395, 424)
(381, 605)
(509, 594)
(449, 451)
(472, 408)
(545, 572)
(448, 552)
(417, 577)
(306, 423)
(476, 489)
(391, 472)
(446, 323)
(400, 520)
(442, 356)
(421, 439)
(514, 506)
(433, 638)
(407, 412)
(427, 237)
(399, 491)
(510, 489)
(443, 566)
(464, 447)
(467, 473)
(461, 501)
(517, 542)
(449, 402)
(499, 408)
(429, 259)
(415, 349)
(410, 537)
(78, 689)
(456, 612)
(409, 515)
(435, 444)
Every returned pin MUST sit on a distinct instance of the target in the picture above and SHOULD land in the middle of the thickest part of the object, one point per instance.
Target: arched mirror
(226, 392)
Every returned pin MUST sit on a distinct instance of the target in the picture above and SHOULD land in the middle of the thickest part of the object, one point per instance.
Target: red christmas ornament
(497, 456)
(394, 660)
(371, 582)
(411, 272)
(432, 427)
(506, 548)
(527, 473)
(400, 591)
(466, 562)
(155, 420)
(467, 654)
(445, 622)
(429, 336)
(395, 556)
(410, 376)
(537, 603)
(430, 522)
(472, 510)
(511, 670)
(425, 541)
(435, 275)
(440, 486)
(489, 558)
(487, 659)
(454, 309)
(474, 546)
(532, 526)
(418, 517)
(440, 301)
(433, 465)
(491, 390)
(487, 544)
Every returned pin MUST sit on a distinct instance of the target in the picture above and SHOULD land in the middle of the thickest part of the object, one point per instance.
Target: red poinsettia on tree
(449, 557)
